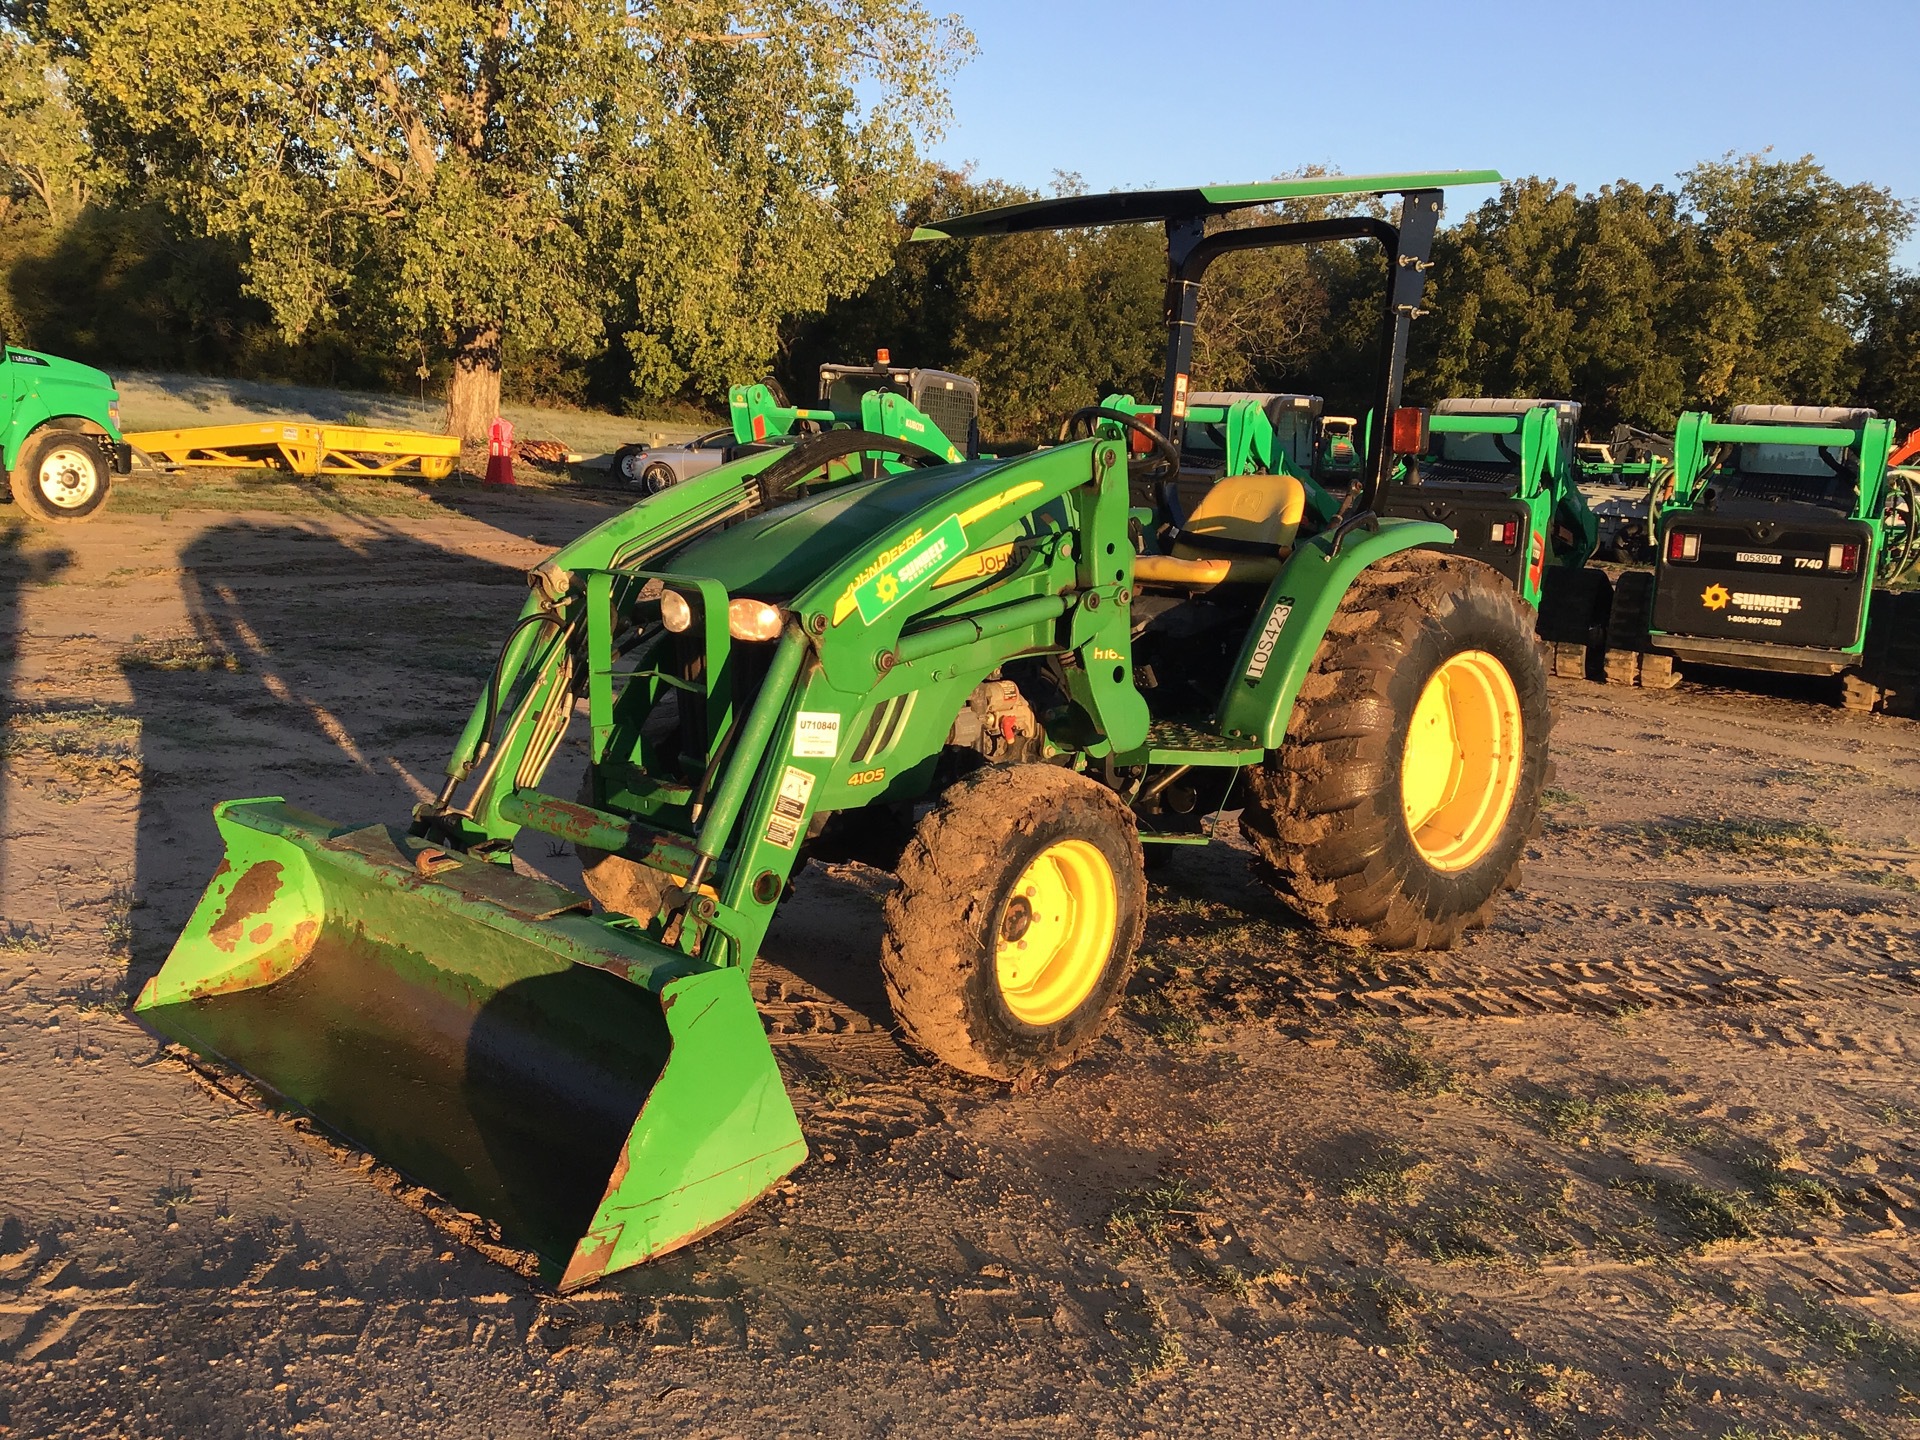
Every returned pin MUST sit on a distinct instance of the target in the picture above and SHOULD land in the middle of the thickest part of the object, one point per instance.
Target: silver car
(653, 468)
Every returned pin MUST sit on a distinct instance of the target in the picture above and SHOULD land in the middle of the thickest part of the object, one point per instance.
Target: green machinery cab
(60, 440)
(997, 676)
(1776, 547)
(1501, 474)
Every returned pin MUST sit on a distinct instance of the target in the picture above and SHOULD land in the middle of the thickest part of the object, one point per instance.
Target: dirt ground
(1641, 1159)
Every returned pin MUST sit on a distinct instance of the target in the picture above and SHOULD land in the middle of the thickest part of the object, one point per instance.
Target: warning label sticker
(789, 808)
(816, 735)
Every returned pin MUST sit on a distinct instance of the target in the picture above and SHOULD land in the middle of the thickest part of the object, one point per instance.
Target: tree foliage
(450, 174)
(48, 171)
(638, 203)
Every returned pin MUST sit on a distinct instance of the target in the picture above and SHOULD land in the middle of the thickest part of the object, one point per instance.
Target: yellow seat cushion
(1243, 510)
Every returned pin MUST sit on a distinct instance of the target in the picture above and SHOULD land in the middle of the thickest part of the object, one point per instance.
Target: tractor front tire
(1400, 805)
(1011, 935)
(61, 478)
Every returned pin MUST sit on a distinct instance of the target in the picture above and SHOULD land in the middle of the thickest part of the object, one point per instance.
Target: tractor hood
(775, 555)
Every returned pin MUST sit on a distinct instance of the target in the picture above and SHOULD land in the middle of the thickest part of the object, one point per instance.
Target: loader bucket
(599, 1096)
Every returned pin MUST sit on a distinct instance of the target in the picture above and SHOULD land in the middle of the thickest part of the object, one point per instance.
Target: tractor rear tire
(1011, 935)
(62, 477)
(1410, 780)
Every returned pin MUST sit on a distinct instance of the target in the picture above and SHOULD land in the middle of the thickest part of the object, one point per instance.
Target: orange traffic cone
(500, 453)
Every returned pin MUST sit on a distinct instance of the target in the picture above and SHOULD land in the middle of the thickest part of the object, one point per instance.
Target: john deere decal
(893, 582)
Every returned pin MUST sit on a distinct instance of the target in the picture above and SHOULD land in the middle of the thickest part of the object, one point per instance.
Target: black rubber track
(1325, 811)
(943, 919)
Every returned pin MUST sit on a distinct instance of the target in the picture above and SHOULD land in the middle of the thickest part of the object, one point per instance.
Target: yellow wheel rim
(1056, 932)
(1461, 766)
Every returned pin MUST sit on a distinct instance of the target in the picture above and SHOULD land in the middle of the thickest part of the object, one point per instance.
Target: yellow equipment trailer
(304, 449)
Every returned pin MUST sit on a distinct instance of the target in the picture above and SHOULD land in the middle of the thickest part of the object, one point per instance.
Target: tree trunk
(473, 394)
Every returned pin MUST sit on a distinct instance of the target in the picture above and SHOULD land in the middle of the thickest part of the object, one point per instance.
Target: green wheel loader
(1778, 545)
(998, 670)
(60, 440)
(1503, 476)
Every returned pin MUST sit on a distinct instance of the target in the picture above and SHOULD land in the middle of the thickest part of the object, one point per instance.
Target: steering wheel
(1162, 463)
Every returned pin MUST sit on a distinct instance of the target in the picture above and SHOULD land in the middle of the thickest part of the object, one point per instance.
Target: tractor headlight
(675, 613)
(755, 620)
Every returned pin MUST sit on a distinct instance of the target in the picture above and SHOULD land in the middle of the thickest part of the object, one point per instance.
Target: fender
(1293, 619)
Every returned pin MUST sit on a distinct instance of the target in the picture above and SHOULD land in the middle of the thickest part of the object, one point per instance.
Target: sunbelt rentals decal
(905, 566)
(1269, 637)
(1747, 607)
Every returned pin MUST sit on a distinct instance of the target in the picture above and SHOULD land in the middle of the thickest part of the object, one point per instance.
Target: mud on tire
(1326, 811)
(956, 905)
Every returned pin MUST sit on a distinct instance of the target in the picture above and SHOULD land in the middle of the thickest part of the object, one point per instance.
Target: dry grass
(92, 746)
(175, 652)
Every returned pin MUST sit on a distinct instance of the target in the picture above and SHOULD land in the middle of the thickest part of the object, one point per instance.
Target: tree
(450, 174)
(46, 162)
(1889, 353)
(1792, 260)
(1545, 292)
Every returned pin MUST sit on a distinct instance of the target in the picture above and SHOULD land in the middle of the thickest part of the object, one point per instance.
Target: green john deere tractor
(999, 666)
(1776, 549)
(1503, 477)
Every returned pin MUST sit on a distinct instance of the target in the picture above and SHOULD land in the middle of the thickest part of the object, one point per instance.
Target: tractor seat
(1240, 533)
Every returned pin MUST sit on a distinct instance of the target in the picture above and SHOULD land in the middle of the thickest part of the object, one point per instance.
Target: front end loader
(998, 674)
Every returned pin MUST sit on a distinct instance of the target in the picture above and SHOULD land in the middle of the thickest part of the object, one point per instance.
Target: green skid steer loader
(1000, 661)
(1777, 548)
(1503, 477)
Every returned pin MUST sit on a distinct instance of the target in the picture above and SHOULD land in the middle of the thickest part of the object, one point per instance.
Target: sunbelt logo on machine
(911, 564)
(1762, 609)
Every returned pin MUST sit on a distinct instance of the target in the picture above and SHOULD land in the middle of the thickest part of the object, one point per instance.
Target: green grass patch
(17, 938)
(1407, 1063)
(1634, 1114)
(1706, 1215)
(1392, 1177)
(1898, 880)
(1140, 1220)
(1772, 839)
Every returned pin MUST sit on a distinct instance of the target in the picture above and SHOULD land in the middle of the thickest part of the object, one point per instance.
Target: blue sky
(1128, 93)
